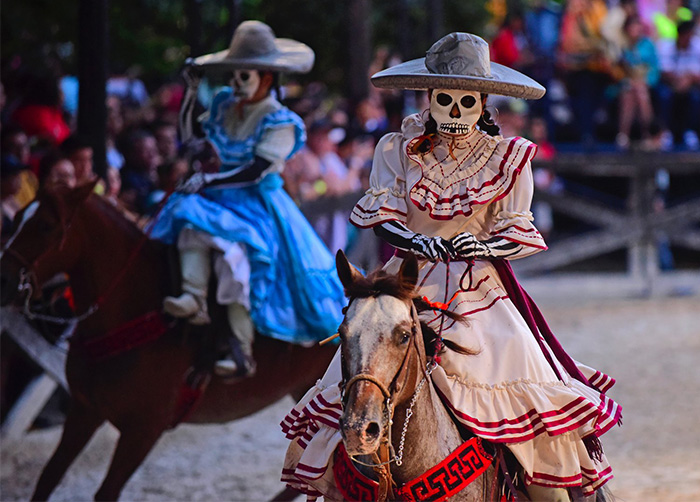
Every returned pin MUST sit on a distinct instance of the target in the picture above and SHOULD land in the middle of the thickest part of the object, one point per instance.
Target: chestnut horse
(388, 394)
(118, 275)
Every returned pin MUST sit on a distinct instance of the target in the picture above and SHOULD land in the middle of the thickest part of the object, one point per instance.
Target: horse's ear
(346, 272)
(408, 273)
(74, 197)
(79, 194)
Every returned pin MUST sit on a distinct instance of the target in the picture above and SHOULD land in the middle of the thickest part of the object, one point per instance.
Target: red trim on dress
(381, 208)
(465, 197)
(533, 422)
(528, 244)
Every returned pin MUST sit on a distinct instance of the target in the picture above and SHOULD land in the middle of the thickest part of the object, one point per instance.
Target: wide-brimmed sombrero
(255, 47)
(459, 61)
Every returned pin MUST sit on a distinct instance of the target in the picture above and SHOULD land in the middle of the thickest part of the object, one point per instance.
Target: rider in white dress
(460, 198)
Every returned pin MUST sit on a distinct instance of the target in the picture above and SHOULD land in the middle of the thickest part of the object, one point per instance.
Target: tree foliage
(153, 35)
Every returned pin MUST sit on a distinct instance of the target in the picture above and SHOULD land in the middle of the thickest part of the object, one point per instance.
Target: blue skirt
(295, 293)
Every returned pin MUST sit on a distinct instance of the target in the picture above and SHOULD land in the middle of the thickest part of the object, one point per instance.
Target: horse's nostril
(372, 430)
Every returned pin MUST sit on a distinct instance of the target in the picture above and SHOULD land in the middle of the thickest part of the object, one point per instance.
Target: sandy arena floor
(651, 346)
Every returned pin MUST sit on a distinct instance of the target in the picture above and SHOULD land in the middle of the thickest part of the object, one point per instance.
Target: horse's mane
(119, 222)
(116, 217)
(380, 282)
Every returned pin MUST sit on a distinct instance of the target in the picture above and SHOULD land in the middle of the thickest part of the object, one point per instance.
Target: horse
(118, 275)
(389, 402)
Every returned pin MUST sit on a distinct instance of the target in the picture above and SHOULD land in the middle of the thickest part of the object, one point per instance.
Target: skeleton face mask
(245, 83)
(455, 111)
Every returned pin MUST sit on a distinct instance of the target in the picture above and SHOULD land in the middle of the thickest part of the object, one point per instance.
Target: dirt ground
(651, 346)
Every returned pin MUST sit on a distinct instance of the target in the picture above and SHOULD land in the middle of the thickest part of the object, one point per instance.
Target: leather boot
(244, 331)
(192, 303)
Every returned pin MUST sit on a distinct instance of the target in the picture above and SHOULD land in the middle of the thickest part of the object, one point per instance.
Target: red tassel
(440, 305)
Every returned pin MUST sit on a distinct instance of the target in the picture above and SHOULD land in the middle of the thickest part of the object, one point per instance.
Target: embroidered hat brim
(459, 61)
(255, 47)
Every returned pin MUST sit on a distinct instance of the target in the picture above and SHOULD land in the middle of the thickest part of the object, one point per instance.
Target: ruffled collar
(462, 171)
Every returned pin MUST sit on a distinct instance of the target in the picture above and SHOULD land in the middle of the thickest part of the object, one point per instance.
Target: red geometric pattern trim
(352, 483)
(452, 475)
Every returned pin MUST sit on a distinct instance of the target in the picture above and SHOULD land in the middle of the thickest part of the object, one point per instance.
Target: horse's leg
(81, 423)
(133, 446)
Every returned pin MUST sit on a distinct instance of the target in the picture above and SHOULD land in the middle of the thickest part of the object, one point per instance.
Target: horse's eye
(405, 337)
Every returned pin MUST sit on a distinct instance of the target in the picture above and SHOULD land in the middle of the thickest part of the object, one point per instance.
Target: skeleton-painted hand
(433, 248)
(193, 76)
(194, 183)
(467, 246)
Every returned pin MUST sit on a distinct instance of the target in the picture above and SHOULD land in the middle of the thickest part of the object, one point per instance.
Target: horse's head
(382, 351)
(40, 233)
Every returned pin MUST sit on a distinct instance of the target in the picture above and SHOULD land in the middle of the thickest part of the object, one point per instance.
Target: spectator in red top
(510, 47)
(41, 113)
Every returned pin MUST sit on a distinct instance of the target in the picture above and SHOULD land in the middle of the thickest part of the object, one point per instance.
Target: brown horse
(117, 275)
(388, 395)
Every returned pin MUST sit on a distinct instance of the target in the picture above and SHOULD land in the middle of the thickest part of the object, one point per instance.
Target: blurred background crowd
(620, 75)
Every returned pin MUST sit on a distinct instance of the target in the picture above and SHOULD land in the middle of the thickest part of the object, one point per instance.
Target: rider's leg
(233, 273)
(195, 265)
(244, 331)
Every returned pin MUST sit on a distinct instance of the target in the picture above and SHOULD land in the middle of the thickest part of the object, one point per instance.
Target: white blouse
(474, 182)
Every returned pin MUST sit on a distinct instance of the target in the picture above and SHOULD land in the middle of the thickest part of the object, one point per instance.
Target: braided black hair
(485, 122)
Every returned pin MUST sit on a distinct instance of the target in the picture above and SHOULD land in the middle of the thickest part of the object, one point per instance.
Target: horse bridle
(390, 393)
(28, 281)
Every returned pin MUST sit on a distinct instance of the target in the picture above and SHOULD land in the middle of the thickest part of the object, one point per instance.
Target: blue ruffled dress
(295, 293)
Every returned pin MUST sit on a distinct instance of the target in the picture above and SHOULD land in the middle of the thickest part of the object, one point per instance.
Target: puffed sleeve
(280, 135)
(512, 218)
(386, 198)
(277, 144)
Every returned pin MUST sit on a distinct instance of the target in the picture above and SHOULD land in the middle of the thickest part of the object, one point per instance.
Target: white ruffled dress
(508, 393)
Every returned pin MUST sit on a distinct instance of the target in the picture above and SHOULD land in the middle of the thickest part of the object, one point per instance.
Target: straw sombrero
(459, 61)
(255, 47)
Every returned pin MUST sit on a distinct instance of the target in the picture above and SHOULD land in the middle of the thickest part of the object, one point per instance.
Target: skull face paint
(455, 111)
(245, 83)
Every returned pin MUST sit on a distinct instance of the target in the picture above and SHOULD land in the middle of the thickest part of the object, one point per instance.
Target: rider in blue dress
(274, 273)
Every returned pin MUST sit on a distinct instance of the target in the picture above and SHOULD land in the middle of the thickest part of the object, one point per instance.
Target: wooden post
(92, 74)
(435, 12)
(360, 51)
(235, 15)
(651, 268)
(194, 26)
(635, 253)
(403, 28)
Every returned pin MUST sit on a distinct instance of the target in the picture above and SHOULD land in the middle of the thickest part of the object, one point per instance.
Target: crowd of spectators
(624, 73)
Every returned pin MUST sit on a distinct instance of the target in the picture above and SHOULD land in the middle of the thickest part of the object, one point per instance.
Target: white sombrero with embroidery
(255, 47)
(459, 61)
